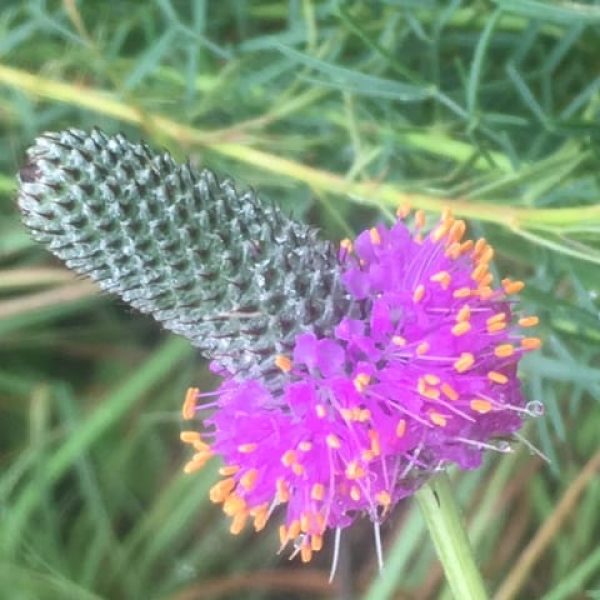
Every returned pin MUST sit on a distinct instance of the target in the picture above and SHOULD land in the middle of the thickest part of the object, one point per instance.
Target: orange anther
(321, 411)
(531, 343)
(294, 529)
(422, 348)
(305, 446)
(288, 458)
(443, 278)
(383, 498)
(304, 522)
(318, 491)
(480, 246)
(355, 493)
(403, 210)
(512, 287)
(479, 272)
(453, 250)
(431, 379)
(346, 245)
(305, 553)
(463, 292)
(228, 470)
(504, 350)
(316, 542)
(528, 321)
(354, 470)
(457, 230)
(438, 419)
(363, 415)
(283, 535)
(466, 246)
(497, 377)
(449, 392)
(222, 489)
(418, 293)
(283, 362)
(398, 340)
(367, 455)
(261, 516)
(375, 446)
(464, 362)
(361, 381)
(401, 428)
(238, 523)
(247, 448)
(441, 230)
(298, 469)
(233, 505)
(333, 441)
(495, 327)
(248, 479)
(283, 490)
(197, 462)
(374, 235)
(464, 314)
(461, 328)
(487, 255)
(480, 406)
(497, 318)
(189, 437)
(485, 281)
(188, 410)
(420, 219)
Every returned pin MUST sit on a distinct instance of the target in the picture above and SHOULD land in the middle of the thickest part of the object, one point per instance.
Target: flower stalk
(449, 536)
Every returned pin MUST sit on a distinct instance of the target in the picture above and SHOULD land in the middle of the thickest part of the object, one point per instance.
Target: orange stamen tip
(457, 230)
(261, 516)
(248, 479)
(361, 381)
(504, 350)
(461, 328)
(283, 362)
(422, 348)
(528, 321)
(238, 523)
(463, 292)
(333, 441)
(375, 236)
(283, 490)
(497, 377)
(449, 392)
(228, 470)
(316, 542)
(479, 247)
(318, 491)
(198, 461)
(383, 498)
(355, 493)
(401, 428)
(220, 491)
(480, 406)
(464, 314)
(188, 411)
(233, 505)
(495, 327)
(464, 362)
(420, 219)
(346, 245)
(354, 470)
(431, 379)
(419, 293)
(497, 318)
(403, 210)
(294, 529)
(289, 458)
(443, 278)
(305, 553)
(321, 411)
(189, 437)
(438, 419)
(512, 287)
(247, 448)
(531, 343)
(398, 340)
(305, 446)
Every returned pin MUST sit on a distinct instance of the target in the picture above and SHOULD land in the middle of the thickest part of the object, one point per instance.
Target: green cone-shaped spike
(237, 277)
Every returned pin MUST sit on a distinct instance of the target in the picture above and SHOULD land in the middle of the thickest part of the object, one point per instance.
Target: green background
(340, 112)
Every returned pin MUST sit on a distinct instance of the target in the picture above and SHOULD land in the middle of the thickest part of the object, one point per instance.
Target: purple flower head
(424, 378)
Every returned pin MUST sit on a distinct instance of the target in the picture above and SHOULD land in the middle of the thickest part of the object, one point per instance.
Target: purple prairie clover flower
(425, 377)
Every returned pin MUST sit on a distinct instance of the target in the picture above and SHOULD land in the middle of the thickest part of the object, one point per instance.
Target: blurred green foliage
(339, 111)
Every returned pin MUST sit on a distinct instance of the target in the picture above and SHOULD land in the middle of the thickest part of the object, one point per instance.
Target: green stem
(449, 536)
